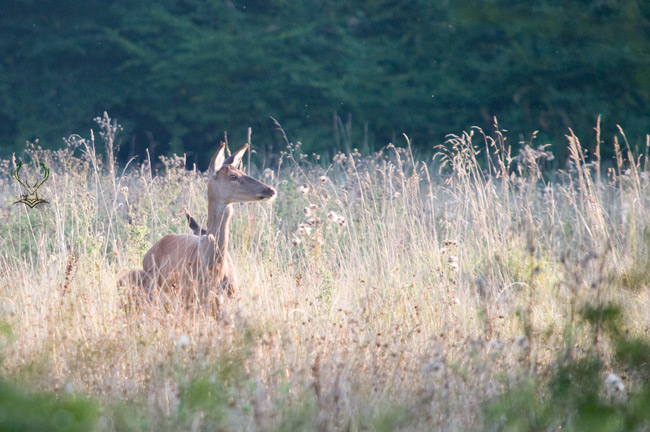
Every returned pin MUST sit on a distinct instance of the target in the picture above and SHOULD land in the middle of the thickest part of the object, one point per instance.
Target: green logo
(31, 198)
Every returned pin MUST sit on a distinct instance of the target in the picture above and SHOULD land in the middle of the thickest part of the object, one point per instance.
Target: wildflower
(453, 262)
(124, 190)
(8, 308)
(309, 210)
(336, 218)
(304, 229)
(322, 179)
(614, 383)
(303, 189)
(339, 158)
(183, 341)
(313, 220)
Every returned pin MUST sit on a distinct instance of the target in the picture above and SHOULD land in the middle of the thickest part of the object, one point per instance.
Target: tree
(180, 72)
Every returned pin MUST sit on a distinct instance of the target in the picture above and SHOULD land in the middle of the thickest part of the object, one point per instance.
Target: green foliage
(207, 394)
(608, 315)
(126, 416)
(216, 393)
(19, 230)
(21, 410)
(631, 351)
(578, 394)
(326, 288)
(550, 57)
(178, 73)
(390, 419)
(301, 417)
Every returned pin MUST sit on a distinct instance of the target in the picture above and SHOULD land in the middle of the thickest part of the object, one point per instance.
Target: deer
(201, 259)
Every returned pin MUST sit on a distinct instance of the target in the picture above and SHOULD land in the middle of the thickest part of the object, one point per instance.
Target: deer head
(31, 199)
(227, 184)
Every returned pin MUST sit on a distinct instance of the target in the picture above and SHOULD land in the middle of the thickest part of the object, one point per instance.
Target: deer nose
(270, 192)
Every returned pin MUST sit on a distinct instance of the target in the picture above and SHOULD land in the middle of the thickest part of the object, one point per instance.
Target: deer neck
(219, 215)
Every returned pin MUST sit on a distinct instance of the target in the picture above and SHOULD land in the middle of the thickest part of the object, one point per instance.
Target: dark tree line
(178, 73)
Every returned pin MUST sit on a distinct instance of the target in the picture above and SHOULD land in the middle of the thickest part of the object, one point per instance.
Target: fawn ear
(217, 160)
(235, 158)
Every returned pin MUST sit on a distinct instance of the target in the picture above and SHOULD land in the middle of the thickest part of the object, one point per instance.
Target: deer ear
(235, 158)
(217, 160)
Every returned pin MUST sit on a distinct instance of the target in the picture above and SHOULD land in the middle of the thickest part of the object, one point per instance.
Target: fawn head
(227, 183)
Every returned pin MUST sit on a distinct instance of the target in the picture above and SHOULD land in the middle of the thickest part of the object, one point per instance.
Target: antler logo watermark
(31, 198)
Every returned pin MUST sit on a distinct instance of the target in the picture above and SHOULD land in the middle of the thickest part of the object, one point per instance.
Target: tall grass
(378, 292)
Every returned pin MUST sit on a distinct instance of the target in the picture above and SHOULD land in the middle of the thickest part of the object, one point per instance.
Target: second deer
(202, 261)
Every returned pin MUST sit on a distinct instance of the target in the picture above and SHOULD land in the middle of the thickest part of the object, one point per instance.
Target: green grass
(377, 293)
(22, 410)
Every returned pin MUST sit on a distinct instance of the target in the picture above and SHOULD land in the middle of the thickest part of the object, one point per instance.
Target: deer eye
(233, 177)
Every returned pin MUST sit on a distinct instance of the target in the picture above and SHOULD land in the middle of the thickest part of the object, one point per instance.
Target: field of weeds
(378, 292)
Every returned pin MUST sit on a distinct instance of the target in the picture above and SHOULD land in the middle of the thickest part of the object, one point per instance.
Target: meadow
(479, 290)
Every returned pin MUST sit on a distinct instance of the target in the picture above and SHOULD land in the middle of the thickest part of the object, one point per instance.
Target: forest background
(178, 73)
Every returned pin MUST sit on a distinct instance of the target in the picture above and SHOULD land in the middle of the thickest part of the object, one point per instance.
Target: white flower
(304, 229)
(309, 210)
(183, 341)
(614, 383)
(336, 218)
(453, 262)
(8, 308)
(304, 189)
